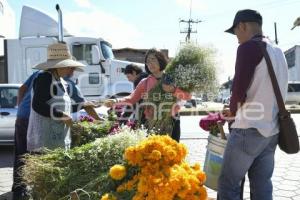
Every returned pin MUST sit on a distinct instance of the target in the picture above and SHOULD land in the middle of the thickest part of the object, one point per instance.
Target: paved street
(286, 178)
(6, 163)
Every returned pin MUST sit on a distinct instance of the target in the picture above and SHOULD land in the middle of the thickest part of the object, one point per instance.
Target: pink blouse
(145, 86)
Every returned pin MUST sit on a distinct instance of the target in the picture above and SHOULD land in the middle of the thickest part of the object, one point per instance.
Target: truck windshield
(294, 87)
(106, 50)
(83, 52)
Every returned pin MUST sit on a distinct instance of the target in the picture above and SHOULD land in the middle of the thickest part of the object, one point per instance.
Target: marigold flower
(108, 196)
(203, 193)
(117, 172)
(196, 166)
(155, 155)
(201, 176)
(163, 174)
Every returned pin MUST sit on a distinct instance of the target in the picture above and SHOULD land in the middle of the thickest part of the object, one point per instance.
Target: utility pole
(189, 29)
(275, 27)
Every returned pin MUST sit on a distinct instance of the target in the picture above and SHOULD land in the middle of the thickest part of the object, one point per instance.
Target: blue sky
(155, 23)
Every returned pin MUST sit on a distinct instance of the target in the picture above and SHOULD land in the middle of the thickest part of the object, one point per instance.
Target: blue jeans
(247, 151)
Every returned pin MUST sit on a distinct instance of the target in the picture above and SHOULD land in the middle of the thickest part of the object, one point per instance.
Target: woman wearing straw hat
(50, 120)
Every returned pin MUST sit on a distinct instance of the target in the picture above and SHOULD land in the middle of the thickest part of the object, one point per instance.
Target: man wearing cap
(253, 107)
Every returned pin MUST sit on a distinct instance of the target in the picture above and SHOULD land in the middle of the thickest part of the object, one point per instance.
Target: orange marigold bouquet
(155, 169)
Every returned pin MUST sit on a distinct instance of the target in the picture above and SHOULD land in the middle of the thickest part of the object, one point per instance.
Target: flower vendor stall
(109, 162)
(122, 165)
(81, 170)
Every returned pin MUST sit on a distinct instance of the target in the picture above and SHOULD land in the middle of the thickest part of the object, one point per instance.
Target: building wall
(130, 56)
(293, 60)
(2, 71)
(296, 70)
(134, 55)
(7, 23)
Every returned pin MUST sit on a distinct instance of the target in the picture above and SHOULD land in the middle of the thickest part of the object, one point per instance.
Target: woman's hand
(67, 119)
(168, 88)
(110, 102)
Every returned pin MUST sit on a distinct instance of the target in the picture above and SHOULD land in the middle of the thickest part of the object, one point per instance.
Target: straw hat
(59, 56)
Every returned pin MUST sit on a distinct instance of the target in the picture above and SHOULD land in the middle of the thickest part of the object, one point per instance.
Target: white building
(293, 60)
(7, 23)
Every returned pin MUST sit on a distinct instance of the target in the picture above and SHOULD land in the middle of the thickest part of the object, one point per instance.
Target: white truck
(292, 56)
(103, 76)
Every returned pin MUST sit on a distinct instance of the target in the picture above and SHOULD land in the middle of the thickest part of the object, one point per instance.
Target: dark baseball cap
(246, 15)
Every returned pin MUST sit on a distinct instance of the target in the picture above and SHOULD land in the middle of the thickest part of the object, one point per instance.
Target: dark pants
(18, 188)
(176, 130)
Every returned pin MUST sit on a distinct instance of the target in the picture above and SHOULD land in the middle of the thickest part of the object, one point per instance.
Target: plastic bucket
(213, 160)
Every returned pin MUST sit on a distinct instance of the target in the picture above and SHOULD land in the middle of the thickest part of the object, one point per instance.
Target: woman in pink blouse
(155, 63)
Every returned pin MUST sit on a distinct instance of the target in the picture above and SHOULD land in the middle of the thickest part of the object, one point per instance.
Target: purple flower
(86, 118)
(210, 121)
(114, 129)
(131, 124)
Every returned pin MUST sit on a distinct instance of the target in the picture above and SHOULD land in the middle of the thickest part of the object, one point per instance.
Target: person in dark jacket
(134, 74)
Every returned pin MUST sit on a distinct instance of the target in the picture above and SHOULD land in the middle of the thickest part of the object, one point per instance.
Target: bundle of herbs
(87, 129)
(81, 171)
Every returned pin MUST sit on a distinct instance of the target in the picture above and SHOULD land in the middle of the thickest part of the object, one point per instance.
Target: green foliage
(85, 132)
(214, 130)
(82, 170)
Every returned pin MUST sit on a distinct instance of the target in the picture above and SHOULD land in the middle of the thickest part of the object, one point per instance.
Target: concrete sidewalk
(286, 177)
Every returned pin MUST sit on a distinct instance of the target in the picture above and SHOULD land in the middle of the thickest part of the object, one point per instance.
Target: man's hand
(227, 115)
(168, 88)
(110, 102)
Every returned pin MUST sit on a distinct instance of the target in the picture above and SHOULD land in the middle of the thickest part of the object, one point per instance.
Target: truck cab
(103, 75)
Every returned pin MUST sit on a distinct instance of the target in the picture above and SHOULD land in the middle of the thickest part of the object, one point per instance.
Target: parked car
(9, 108)
(226, 100)
(8, 112)
(293, 95)
(193, 102)
(188, 104)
